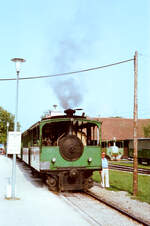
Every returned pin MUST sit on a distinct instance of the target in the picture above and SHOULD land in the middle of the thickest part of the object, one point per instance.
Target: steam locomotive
(64, 150)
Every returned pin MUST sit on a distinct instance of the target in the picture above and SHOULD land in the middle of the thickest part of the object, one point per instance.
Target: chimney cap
(69, 112)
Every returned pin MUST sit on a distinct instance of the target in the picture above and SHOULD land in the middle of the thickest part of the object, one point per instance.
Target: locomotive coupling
(73, 173)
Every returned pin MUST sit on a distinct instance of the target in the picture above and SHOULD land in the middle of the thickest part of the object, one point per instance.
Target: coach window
(51, 132)
(92, 133)
(25, 139)
(31, 137)
(35, 135)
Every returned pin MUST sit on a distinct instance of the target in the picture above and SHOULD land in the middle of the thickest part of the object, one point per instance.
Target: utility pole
(135, 154)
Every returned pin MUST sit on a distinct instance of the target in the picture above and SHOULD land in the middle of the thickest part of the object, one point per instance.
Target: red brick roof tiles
(121, 128)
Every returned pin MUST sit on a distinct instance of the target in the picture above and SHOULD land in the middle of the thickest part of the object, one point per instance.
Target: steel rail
(129, 169)
(79, 209)
(137, 219)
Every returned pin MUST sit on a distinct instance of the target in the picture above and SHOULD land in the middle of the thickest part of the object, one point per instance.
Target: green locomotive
(143, 150)
(64, 150)
(113, 149)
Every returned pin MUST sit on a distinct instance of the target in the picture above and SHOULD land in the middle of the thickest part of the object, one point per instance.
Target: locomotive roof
(63, 116)
(69, 114)
(87, 119)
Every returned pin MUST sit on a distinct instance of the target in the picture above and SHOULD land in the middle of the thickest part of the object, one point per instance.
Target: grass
(123, 181)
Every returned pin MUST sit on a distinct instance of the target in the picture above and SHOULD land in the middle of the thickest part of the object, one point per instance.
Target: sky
(70, 35)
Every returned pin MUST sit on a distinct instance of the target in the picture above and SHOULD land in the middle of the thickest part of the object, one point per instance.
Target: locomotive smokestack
(69, 112)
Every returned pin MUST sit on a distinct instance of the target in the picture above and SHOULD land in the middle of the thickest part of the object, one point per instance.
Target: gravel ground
(96, 212)
(122, 200)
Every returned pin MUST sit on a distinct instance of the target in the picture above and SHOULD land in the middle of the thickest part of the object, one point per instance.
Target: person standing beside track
(104, 172)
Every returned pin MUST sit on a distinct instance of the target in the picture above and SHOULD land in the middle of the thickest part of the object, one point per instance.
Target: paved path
(37, 206)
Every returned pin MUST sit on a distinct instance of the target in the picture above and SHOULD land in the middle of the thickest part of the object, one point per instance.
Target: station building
(120, 130)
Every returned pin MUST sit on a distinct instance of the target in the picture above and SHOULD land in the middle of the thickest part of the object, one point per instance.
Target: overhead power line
(68, 73)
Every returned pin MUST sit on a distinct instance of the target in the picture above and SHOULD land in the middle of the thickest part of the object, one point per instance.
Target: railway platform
(34, 204)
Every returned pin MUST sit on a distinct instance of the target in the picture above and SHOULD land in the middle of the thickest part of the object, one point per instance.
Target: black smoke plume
(68, 93)
(67, 90)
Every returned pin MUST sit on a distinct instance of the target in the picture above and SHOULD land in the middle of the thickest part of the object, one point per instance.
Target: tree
(5, 117)
(146, 131)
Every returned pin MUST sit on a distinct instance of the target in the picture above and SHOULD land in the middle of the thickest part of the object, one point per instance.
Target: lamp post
(17, 62)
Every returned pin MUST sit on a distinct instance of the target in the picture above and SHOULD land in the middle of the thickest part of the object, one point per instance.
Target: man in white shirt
(104, 172)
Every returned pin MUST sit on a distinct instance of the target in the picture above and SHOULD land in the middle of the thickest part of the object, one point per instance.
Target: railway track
(129, 215)
(73, 200)
(128, 169)
(98, 211)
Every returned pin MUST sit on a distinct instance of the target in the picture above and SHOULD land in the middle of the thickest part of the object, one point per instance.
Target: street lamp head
(18, 61)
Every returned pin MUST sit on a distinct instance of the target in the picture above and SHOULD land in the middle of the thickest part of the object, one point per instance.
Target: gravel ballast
(122, 200)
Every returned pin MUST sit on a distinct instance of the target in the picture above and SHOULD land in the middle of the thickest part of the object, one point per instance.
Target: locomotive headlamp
(89, 159)
(53, 160)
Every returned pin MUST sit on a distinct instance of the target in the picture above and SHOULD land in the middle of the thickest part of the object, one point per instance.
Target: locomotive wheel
(35, 173)
(71, 147)
(88, 183)
(52, 183)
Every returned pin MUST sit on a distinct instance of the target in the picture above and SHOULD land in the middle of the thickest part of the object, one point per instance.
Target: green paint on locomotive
(143, 154)
(90, 158)
(143, 150)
